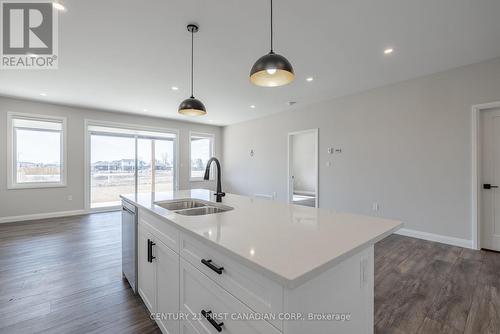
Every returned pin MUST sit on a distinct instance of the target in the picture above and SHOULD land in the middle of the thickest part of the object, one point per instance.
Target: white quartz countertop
(288, 242)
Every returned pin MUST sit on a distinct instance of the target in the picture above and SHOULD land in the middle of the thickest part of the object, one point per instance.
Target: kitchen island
(254, 266)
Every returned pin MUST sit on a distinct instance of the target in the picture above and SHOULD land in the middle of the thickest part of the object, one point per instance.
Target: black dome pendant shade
(272, 70)
(192, 106)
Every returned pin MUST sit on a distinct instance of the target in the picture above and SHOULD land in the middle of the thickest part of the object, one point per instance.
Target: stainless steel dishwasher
(129, 244)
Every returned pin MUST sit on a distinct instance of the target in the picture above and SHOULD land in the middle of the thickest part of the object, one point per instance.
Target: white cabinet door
(147, 270)
(167, 278)
(187, 328)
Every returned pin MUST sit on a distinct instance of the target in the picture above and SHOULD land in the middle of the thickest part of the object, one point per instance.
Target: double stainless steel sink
(193, 207)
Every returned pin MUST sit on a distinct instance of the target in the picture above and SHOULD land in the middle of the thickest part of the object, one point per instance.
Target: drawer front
(164, 231)
(199, 293)
(259, 293)
(188, 328)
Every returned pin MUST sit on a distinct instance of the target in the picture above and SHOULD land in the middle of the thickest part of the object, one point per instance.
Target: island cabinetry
(216, 309)
(184, 273)
(260, 293)
(158, 277)
(339, 300)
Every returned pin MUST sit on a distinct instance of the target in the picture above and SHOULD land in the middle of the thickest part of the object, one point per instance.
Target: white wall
(406, 146)
(36, 201)
(304, 162)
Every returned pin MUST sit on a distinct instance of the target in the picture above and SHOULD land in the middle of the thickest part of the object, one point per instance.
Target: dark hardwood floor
(425, 287)
(64, 276)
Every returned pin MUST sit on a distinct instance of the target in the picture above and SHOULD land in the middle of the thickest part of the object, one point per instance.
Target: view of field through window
(38, 156)
(201, 151)
(113, 167)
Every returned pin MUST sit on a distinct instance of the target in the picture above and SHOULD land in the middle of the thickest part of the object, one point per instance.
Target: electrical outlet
(70, 197)
(375, 206)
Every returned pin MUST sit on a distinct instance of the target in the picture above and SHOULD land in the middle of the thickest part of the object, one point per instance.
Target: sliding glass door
(124, 161)
(164, 165)
(144, 165)
(112, 172)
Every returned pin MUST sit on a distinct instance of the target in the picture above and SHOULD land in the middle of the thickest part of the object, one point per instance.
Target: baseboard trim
(37, 216)
(436, 237)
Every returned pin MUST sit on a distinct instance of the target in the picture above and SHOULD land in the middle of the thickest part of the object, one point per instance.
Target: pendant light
(272, 70)
(192, 106)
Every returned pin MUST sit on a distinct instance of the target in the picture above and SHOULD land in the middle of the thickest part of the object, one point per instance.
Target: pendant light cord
(272, 26)
(192, 63)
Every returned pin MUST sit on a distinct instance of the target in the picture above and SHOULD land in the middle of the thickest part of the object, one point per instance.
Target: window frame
(12, 149)
(210, 136)
(122, 126)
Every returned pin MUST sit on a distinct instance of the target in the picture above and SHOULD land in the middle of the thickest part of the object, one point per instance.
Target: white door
(147, 270)
(167, 278)
(490, 193)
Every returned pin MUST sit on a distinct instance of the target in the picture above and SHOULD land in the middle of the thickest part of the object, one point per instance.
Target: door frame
(128, 126)
(476, 170)
(316, 159)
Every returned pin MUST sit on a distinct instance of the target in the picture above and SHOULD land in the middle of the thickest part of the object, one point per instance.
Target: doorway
(489, 180)
(485, 196)
(303, 174)
(121, 159)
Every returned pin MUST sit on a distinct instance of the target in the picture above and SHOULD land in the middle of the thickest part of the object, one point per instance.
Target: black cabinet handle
(210, 265)
(149, 250)
(208, 316)
(152, 257)
(488, 186)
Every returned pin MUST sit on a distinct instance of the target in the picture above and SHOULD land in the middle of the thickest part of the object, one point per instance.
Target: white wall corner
(436, 237)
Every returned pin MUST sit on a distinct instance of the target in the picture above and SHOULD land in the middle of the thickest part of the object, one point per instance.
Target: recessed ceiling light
(175, 88)
(388, 51)
(58, 6)
(144, 110)
(252, 106)
(309, 79)
(43, 94)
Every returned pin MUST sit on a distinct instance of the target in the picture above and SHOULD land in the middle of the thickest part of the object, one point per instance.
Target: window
(37, 151)
(202, 149)
(124, 161)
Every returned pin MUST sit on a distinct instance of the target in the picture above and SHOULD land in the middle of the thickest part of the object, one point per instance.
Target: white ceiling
(124, 55)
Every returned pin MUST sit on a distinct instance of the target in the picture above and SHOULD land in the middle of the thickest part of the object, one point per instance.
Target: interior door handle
(489, 186)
